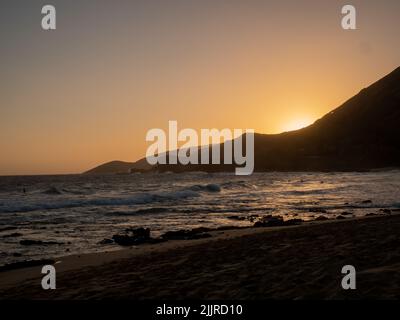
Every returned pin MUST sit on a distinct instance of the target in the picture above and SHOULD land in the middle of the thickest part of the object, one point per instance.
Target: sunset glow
(88, 92)
(297, 124)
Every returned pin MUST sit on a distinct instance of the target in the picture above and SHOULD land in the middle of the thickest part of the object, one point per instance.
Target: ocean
(74, 213)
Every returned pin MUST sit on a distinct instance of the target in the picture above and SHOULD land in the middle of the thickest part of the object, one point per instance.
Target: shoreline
(223, 248)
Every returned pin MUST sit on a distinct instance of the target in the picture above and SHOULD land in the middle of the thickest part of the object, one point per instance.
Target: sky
(88, 92)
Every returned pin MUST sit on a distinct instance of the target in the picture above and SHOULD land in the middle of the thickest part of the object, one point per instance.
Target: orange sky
(88, 92)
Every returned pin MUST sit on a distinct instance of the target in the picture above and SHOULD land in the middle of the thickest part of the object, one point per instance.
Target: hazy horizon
(88, 92)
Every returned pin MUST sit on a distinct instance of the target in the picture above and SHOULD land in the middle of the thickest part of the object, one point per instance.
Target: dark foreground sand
(301, 262)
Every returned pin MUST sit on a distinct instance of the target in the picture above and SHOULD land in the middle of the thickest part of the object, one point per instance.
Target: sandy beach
(297, 262)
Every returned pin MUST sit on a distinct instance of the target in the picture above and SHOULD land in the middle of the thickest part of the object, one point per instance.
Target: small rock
(106, 241)
(139, 232)
(366, 201)
(293, 222)
(321, 218)
(213, 188)
(370, 214)
(238, 218)
(318, 210)
(270, 221)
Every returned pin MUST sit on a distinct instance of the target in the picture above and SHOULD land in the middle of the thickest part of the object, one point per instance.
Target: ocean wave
(312, 191)
(136, 199)
(154, 210)
(347, 206)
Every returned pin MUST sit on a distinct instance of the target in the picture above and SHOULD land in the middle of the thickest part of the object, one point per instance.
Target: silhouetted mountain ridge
(361, 134)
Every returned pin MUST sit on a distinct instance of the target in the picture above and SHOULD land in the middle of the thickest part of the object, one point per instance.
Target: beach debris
(387, 211)
(345, 213)
(340, 217)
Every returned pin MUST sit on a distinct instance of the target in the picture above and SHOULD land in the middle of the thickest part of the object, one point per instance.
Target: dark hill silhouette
(361, 134)
(114, 167)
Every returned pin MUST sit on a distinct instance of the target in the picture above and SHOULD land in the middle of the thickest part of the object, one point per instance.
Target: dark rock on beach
(238, 218)
(38, 243)
(106, 241)
(366, 201)
(134, 237)
(276, 221)
(225, 228)
(270, 221)
(250, 218)
(139, 232)
(293, 222)
(321, 218)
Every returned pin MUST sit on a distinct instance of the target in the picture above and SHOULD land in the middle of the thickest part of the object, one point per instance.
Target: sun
(297, 124)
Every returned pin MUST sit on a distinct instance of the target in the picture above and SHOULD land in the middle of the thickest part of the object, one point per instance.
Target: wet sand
(298, 262)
